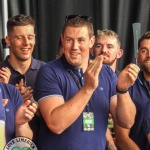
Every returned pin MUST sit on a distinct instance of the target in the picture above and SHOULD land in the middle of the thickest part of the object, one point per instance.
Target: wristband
(121, 91)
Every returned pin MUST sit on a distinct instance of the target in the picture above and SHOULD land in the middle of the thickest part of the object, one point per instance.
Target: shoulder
(53, 65)
(37, 63)
(8, 88)
(106, 69)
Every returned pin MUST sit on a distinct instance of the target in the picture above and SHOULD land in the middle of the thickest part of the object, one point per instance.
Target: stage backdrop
(118, 15)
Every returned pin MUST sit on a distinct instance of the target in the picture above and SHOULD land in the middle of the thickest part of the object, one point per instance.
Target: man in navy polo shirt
(75, 95)
(23, 67)
(135, 138)
(16, 114)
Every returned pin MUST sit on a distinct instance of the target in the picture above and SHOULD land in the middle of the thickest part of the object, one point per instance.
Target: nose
(26, 41)
(148, 53)
(75, 44)
(104, 49)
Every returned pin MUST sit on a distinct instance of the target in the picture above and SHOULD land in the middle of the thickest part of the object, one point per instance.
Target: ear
(7, 40)
(92, 41)
(120, 53)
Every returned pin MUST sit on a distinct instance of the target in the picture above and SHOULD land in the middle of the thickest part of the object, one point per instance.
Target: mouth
(105, 56)
(74, 54)
(25, 50)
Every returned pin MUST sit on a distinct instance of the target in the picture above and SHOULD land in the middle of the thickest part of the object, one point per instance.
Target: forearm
(123, 140)
(125, 110)
(110, 145)
(63, 115)
(24, 130)
(127, 144)
(148, 137)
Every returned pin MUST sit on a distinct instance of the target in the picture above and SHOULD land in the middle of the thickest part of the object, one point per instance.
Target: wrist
(121, 91)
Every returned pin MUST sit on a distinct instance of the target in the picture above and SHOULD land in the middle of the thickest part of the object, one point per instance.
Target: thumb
(27, 103)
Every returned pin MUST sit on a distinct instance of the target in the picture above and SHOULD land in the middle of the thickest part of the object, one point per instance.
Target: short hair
(19, 20)
(109, 33)
(78, 21)
(146, 35)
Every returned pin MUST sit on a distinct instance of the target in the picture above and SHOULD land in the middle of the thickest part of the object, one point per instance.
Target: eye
(69, 40)
(18, 37)
(143, 50)
(81, 40)
(30, 37)
(110, 46)
(98, 46)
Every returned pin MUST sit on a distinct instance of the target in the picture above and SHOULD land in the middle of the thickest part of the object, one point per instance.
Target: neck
(113, 67)
(19, 65)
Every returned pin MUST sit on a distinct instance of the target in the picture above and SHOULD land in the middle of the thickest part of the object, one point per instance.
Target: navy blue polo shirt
(2, 109)
(14, 102)
(30, 75)
(140, 97)
(53, 79)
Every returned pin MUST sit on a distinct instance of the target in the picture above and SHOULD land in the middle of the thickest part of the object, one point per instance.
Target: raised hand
(128, 76)
(92, 72)
(26, 92)
(5, 74)
(25, 113)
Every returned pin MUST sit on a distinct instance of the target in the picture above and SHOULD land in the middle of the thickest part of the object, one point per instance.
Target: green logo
(18, 148)
(20, 143)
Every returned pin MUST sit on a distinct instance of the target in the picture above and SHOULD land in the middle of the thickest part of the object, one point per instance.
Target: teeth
(25, 49)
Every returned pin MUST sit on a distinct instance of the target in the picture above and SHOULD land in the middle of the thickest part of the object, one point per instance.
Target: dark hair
(19, 20)
(144, 36)
(79, 21)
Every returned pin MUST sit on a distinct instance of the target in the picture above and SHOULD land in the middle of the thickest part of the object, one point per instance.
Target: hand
(128, 76)
(4, 102)
(5, 74)
(26, 92)
(92, 72)
(25, 113)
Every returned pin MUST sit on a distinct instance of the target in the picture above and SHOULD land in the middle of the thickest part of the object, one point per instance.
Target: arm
(110, 145)
(148, 137)
(23, 115)
(68, 112)
(122, 105)
(123, 141)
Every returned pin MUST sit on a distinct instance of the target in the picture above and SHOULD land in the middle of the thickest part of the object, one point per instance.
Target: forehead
(106, 39)
(76, 32)
(23, 29)
(145, 42)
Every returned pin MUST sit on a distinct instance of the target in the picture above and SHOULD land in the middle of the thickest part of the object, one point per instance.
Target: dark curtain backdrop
(49, 15)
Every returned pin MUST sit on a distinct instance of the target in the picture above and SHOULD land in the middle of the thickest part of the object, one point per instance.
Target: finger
(26, 89)
(134, 67)
(21, 83)
(6, 70)
(27, 103)
(5, 102)
(27, 97)
(97, 64)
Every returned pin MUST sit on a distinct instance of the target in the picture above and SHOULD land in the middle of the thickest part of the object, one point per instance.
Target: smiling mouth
(74, 54)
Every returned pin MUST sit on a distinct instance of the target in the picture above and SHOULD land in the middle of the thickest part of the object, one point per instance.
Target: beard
(109, 62)
(145, 68)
